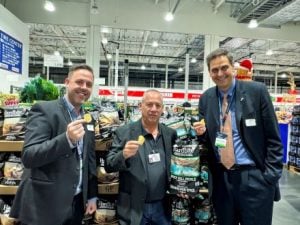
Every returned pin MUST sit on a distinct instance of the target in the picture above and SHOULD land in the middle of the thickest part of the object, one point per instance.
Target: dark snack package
(185, 172)
(181, 211)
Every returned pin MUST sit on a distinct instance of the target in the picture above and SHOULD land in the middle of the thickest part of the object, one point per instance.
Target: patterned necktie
(227, 153)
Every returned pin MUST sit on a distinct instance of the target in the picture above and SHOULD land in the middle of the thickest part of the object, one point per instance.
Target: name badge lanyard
(223, 117)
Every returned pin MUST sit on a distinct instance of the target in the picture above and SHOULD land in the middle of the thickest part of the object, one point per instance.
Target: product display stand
(16, 146)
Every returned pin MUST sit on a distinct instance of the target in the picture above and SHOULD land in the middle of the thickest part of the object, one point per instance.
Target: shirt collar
(70, 107)
(230, 90)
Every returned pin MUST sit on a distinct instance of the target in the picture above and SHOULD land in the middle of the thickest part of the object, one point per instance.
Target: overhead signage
(139, 93)
(53, 61)
(11, 51)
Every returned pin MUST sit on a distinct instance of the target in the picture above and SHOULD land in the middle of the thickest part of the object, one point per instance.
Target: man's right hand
(130, 149)
(199, 127)
(75, 130)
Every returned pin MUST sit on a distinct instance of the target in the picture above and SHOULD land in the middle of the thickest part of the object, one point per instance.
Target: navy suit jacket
(252, 101)
(51, 175)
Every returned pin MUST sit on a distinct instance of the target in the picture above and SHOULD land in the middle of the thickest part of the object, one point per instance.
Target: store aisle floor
(287, 210)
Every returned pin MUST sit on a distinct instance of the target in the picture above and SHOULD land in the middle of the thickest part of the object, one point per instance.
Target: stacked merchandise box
(294, 152)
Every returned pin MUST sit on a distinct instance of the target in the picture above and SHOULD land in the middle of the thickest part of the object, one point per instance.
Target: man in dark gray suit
(243, 193)
(59, 183)
(144, 166)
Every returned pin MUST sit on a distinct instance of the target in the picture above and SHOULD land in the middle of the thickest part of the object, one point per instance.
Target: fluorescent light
(253, 24)
(169, 17)
(56, 53)
(283, 75)
(104, 41)
(108, 56)
(143, 67)
(194, 60)
(105, 30)
(154, 44)
(70, 63)
(180, 69)
(269, 52)
(49, 6)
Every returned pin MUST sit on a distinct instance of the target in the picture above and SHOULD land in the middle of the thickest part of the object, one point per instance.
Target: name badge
(90, 127)
(221, 140)
(153, 158)
(250, 122)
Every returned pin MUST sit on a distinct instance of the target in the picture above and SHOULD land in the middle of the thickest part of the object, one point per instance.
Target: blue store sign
(10, 53)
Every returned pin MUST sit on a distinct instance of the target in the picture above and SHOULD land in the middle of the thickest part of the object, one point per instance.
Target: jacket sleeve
(115, 160)
(43, 144)
(274, 151)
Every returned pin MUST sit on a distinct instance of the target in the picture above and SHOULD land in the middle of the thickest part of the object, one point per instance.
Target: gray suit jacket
(262, 140)
(133, 179)
(51, 174)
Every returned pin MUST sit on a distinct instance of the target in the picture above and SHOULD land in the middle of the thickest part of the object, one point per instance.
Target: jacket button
(74, 186)
(67, 155)
(77, 168)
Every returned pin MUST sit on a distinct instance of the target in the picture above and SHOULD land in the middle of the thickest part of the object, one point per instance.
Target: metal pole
(116, 74)
(126, 75)
(186, 79)
(47, 73)
(167, 76)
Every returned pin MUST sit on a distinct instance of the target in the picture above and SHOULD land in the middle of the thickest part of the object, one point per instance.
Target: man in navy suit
(243, 193)
(59, 182)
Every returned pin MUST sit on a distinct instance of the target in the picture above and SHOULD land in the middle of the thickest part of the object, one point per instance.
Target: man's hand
(75, 130)
(199, 127)
(91, 207)
(130, 149)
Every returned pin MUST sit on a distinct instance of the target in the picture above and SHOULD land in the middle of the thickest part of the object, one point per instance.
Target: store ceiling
(136, 45)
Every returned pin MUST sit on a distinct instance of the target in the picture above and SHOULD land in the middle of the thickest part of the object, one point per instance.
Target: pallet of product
(294, 169)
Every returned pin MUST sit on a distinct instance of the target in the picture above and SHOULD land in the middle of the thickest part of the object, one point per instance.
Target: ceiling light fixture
(154, 44)
(143, 67)
(70, 63)
(169, 16)
(253, 24)
(56, 53)
(108, 56)
(193, 60)
(269, 52)
(180, 69)
(283, 75)
(49, 6)
(105, 30)
(104, 41)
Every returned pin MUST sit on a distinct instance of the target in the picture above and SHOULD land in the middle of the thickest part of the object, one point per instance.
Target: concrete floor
(287, 210)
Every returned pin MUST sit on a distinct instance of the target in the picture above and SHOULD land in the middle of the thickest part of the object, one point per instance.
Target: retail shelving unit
(16, 146)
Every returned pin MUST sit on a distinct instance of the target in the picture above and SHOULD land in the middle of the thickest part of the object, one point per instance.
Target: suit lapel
(63, 108)
(135, 132)
(167, 145)
(240, 100)
(214, 111)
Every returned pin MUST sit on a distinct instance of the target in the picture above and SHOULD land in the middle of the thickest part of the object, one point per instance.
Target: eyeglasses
(215, 71)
